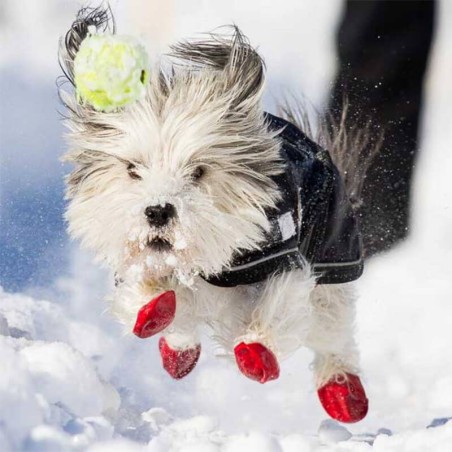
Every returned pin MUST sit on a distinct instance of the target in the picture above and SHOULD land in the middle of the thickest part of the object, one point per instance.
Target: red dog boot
(156, 315)
(345, 400)
(256, 362)
(178, 363)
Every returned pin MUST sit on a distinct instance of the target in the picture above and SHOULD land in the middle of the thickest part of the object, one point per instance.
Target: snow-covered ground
(71, 381)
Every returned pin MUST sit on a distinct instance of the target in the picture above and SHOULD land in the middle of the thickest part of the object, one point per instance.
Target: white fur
(284, 313)
(331, 331)
(209, 116)
(106, 209)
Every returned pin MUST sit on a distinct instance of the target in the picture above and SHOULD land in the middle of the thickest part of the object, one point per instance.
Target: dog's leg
(180, 346)
(144, 308)
(336, 361)
(273, 320)
(147, 309)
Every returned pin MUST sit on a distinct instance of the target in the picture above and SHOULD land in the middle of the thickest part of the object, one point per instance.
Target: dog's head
(181, 179)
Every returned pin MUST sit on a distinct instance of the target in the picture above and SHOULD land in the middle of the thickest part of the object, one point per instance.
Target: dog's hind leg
(277, 326)
(336, 357)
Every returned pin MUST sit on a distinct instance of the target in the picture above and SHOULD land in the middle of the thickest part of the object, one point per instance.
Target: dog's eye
(131, 169)
(197, 173)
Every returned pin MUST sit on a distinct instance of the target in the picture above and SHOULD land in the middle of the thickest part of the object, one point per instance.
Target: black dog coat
(314, 222)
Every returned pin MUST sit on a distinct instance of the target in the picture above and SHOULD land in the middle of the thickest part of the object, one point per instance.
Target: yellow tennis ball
(110, 71)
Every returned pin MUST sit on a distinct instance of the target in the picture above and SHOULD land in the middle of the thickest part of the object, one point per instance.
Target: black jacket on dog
(314, 222)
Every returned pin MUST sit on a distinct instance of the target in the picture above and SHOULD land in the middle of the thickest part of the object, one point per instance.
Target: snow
(44, 380)
(70, 380)
(171, 260)
(69, 384)
(332, 432)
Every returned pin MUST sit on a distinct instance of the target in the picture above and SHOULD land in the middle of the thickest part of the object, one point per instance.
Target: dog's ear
(84, 121)
(242, 66)
(88, 20)
(89, 165)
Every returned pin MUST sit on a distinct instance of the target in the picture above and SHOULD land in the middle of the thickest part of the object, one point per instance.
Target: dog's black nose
(160, 215)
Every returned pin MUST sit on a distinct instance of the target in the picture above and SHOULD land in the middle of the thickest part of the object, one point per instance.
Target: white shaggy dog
(174, 189)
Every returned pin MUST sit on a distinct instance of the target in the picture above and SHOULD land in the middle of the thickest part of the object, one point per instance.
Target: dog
(210, 210)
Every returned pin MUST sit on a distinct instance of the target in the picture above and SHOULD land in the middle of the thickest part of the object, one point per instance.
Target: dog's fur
(198, 140)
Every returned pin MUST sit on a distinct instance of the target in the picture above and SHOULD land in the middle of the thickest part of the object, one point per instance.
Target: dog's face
(179, 181)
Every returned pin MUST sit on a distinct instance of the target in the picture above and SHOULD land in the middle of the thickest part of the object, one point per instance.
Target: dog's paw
(344, 399)
(257, 362)
(178, 363)
(156, 315)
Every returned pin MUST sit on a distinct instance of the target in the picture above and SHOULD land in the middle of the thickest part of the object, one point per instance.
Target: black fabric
(314, 222)
(383, 49)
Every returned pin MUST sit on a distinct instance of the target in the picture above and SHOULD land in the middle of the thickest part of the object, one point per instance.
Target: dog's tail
(352, 148)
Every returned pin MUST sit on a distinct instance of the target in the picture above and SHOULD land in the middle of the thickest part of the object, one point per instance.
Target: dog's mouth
(160, 245)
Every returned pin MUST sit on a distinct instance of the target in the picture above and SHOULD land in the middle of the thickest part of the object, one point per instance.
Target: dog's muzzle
(159, 216)
(159, 244)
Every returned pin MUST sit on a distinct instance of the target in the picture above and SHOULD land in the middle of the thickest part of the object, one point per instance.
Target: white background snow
(69, 379)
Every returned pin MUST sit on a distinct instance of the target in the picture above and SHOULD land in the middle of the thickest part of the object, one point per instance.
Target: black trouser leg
(383, 49)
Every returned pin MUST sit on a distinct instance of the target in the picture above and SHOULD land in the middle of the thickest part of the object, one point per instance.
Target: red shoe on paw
(178, 363)
(156, 315)
(256, 362)
(344, 401)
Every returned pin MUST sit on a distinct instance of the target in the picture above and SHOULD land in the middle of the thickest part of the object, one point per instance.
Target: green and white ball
(110, 71)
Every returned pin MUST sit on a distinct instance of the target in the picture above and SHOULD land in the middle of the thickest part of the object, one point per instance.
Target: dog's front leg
(180, 346)
(143, 307)
(336, 361)
(149, 307)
